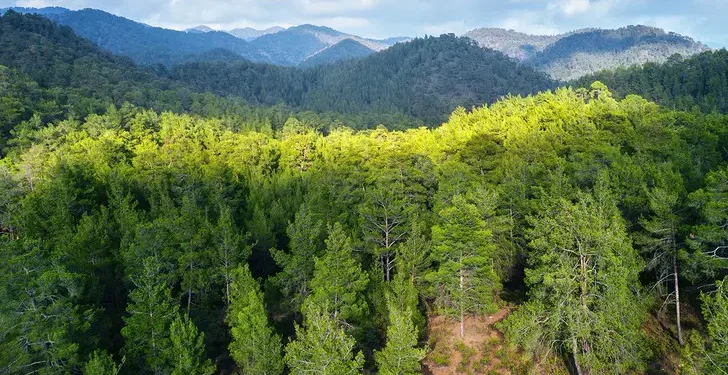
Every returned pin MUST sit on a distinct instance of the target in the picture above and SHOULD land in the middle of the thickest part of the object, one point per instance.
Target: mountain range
(581, 52)
(424, 79)
(564, 57)
(245, 33)
(153, 45)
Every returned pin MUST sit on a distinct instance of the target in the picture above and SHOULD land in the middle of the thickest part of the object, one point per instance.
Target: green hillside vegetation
(682, 83)
(132, 213)
(234, 217)
(50, 74)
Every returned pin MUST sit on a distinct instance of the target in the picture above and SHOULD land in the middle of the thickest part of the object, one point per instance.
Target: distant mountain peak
(249, 33)
(200, 29)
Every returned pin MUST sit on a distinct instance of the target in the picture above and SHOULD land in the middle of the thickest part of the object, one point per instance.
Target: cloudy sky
(702, 19)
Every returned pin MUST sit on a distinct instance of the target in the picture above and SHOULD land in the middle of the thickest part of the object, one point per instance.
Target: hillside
(682, 83)
(425, 79)
(347, 49)
(578, 53)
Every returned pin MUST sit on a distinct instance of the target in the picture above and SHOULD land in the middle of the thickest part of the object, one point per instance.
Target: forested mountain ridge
(700, 81)
(409, 85)
(153, 45)
(581, 52)
(51, 74)
(424, 78)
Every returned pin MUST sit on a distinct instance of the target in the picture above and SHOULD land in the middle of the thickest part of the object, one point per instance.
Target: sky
(704, 20)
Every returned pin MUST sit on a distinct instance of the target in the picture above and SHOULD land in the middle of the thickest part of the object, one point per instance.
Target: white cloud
(574, 7)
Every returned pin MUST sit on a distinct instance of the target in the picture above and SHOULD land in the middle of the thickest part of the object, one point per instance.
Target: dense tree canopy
(134, 226)
(154, 230)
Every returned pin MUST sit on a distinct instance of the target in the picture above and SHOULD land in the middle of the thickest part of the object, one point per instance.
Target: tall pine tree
(255, 346)
(338, 280)
(322, 347)
(582, 275)
(150, 312)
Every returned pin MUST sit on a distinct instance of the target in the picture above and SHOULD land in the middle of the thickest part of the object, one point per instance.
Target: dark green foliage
(715, 310)
(400, 355)
(322, 346)
(187, 353)
(424, 79)
(338, 280)
(112, 225)
(680, 83)
(150, 313)
(255, 347)
(582, 276)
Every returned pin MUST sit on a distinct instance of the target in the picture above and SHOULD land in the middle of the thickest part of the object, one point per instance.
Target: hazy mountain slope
(41, 11)
(249, 33)
(153, 45)
(513, 43)
(143, 43)
(347, 49)
(292, 46)
(575, 54)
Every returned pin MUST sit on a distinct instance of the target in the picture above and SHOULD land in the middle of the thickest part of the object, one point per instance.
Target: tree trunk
(227, 287)
(189, 300)
(575, 354)
(462, 307)
(677, 299)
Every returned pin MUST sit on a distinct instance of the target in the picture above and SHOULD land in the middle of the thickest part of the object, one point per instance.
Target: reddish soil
(482, 343)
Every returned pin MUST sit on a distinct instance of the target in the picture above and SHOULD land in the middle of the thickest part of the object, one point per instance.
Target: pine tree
(255, 346)
(41, 323)
(187, 352)
(101, 363)
(464, 282)
(661, 244)
(322, 347)
(715, 311)
(228, 243)
(338, 279)
(297, 265)
(582, 276)
(400, 356)
(150, 312)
